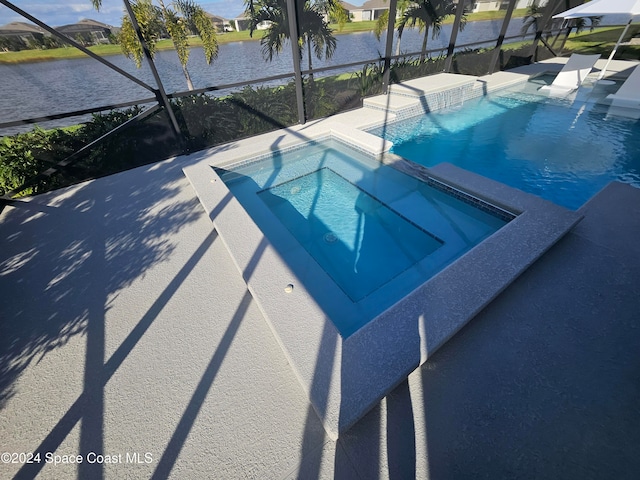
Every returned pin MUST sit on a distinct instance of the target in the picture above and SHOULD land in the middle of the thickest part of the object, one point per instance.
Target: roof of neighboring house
(85, 24)
(95, 23)
(375, 5)
(21, 27)
(349, 6)
(215, 18)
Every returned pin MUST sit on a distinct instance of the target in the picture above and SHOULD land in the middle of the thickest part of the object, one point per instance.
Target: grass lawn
(601, 40)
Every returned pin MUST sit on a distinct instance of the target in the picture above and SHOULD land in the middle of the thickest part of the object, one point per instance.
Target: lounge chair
(626, 101)
(572, 74)
(628, 95)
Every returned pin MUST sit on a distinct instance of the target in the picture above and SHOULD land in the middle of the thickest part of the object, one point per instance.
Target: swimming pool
(377, 232)
(560, 150)
(346, 370)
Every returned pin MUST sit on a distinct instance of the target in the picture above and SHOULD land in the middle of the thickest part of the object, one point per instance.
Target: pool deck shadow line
(346, 377)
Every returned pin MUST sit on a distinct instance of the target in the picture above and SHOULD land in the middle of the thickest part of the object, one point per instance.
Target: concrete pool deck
(127, 328)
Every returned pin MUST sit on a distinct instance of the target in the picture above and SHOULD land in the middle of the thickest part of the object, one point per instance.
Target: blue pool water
(562, 151)
(329, 216)
(377, 232)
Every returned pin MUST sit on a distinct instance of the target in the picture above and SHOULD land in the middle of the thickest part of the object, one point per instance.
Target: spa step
(423, 94)
(421, 87)
(390, 103)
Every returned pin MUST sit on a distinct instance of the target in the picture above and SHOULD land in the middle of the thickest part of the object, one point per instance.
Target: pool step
(425, 86)
(371, 144)
(425, 94)
(390, 103)
(499, 80)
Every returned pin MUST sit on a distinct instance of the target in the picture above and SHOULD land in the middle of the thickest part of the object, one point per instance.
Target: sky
(57, 13)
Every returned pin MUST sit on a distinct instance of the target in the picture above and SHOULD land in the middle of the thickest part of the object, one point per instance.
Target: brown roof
(375, 5)
(95, 23)
(21, 27)
(86, 22)
(348, 6)
(215, 18)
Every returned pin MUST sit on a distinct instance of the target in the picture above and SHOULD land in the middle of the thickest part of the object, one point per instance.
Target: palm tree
(178, 20)
(532, 17)
(383, 21)
(428, 14)
(313, 29)
(581, 23)
(334, 11)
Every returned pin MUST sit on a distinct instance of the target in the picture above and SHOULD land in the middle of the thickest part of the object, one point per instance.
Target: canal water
(39, 89)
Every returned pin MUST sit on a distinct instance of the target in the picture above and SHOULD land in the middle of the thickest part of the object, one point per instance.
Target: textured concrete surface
(616, 69)
(420, 87)
(125, 327)
(542, 384)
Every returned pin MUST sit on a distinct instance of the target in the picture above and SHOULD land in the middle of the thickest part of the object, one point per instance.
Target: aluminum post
(295, 51)
(454, 35)
(549, 11)
(503, 31)
(391, 26)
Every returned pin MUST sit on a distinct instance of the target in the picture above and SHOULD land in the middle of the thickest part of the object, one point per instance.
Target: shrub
(25, 155)
(206, 120)
(264, 109)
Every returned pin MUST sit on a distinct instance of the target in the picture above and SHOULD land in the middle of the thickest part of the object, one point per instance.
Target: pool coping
(345, 378)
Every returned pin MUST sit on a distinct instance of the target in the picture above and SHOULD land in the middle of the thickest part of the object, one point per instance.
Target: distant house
(87, 30)
(242, 22)
(370, 10)
(349, 8)
(21, 35)
(487, 5)
(220, 24)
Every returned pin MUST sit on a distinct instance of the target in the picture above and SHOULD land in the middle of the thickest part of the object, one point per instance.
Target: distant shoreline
(66, 53)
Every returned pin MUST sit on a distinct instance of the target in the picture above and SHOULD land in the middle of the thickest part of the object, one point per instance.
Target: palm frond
(129, 43)
(381, 24)
(177, 29)
(313, 28)
(178, 20)
(197, 21)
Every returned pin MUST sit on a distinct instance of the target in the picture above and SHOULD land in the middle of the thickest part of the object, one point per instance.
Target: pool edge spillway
(345, 377)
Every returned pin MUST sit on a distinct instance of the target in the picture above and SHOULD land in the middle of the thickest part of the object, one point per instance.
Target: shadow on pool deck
(543, 383)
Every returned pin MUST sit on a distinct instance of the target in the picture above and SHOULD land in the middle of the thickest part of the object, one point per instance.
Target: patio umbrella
(600, 8)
